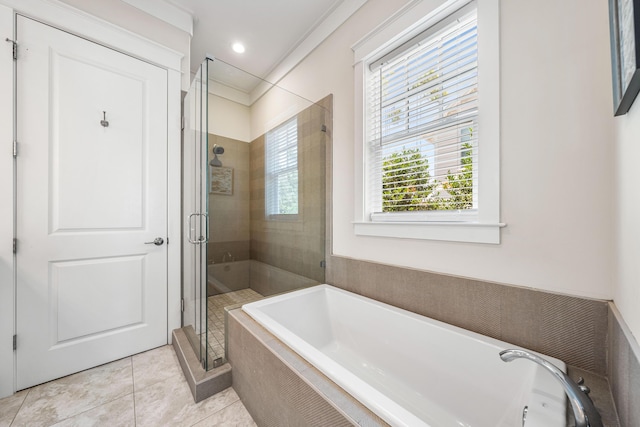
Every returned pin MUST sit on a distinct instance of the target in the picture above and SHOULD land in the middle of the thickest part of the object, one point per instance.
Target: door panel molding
(93, 28)
(85, 298)
(115, 285)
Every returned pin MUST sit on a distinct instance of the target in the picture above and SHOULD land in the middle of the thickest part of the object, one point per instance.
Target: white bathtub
(408, 369)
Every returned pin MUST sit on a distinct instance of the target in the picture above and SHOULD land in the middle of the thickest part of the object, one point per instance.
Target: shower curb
(203, 384)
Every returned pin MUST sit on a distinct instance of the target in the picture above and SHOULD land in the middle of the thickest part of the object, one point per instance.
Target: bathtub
(408, 369)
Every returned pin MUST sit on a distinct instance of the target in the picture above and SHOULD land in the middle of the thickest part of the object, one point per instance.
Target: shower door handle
(190, 224)
(191, 228)
(205, 238)
(158, 241)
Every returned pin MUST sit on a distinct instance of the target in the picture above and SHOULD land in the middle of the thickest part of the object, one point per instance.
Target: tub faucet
(225, 255)
(584, 411)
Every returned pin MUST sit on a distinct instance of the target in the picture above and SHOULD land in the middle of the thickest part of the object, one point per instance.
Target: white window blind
(422, 122)
(281, 165)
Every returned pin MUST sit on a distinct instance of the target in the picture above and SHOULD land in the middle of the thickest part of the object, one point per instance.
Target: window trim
(484, 226)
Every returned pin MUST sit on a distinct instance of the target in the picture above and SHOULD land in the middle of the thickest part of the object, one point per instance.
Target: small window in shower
(281, 169)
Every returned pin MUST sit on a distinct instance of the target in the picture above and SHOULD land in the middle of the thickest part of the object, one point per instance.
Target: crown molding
(167, 12)
(93, 28)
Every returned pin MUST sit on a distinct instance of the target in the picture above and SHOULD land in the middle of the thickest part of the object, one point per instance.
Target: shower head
(215, 161)
(217, 149)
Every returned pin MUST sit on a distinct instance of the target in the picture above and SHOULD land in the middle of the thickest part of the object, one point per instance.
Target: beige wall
(627, 219)
(229, 119)
(556, 151)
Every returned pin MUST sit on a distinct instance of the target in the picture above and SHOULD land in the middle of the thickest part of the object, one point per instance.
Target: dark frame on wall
(624, 27)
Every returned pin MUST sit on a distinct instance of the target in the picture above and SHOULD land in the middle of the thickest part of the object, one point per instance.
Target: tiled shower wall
(296, 246)
(229, 214)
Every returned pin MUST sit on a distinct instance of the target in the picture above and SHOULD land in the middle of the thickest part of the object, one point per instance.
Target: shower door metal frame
(195, 194)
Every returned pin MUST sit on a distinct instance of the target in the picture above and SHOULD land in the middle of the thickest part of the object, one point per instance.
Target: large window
(430, 111)
(423, 130)
(281, 164)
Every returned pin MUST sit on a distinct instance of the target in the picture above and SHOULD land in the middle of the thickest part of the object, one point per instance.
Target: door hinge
(15, 245)
(182, 124)
(182, 305)
(15, 342)
(323, 264)
(15, 48)
(15, 148)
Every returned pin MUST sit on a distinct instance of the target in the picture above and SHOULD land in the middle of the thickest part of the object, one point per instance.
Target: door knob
(158, 241)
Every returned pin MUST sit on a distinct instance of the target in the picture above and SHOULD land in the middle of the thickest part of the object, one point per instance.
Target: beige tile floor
(147, 389)
(215, 318)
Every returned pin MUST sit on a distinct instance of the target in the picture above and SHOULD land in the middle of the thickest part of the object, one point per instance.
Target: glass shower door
(254, 163)
(195, 214)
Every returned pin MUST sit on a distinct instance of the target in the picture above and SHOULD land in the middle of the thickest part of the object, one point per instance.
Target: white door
(89, 196)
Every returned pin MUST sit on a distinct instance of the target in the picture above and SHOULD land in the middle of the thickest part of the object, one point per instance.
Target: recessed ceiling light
(238, 47)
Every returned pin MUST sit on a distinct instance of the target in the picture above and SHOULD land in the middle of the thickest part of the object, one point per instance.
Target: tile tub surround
(571, 329)
(624, 369)
(279, 388)
(146, 389)
(600, 395)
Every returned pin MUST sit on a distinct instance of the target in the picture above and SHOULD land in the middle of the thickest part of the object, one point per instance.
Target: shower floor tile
(215, 319)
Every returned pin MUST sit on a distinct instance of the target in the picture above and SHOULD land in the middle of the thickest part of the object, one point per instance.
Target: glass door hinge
(15, 245)
(15, 342)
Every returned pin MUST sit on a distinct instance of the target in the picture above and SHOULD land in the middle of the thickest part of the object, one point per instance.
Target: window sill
(469, 232)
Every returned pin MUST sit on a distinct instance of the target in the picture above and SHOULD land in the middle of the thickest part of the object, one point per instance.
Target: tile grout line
(209, 413)
(133, 383)
(214, 413)
(30, 389)
(108, 401)
(91, 409)
(20, 408)
(215, 317)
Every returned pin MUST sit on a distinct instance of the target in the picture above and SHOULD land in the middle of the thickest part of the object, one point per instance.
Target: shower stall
(254, 197)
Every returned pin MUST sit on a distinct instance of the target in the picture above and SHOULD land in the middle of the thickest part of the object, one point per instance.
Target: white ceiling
(269, 29)
(277, 34)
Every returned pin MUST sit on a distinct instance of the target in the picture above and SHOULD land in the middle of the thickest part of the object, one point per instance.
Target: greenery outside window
(423, 131)
(427, 86)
